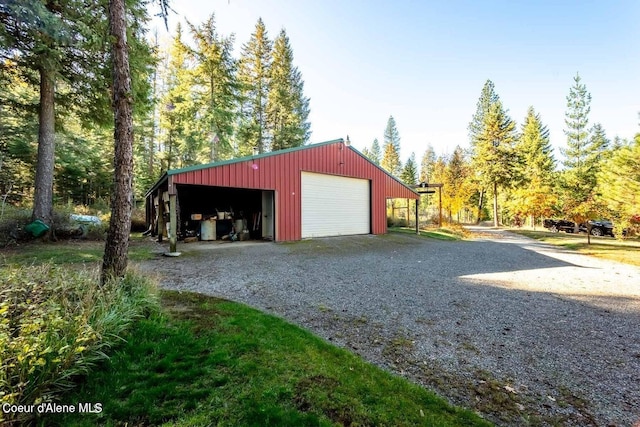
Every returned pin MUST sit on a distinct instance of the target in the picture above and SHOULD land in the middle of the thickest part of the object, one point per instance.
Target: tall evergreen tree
(373, 153)
(287, 108)
(253, 75)
(376, 153)
(577, 120)
(82, 176)
(391, 160)
(582, 156)
(49, 40)
(494, 155)
(125, 35)
(488, 97)
(214, 89)
(619, 186)
(457, 183)
(535, 147)
(18, 133)
(182, 142)
(598, 145)
(391, 149)
(427, 163)
(114, 263)
(409, 173)
(438, 175)
(391, 134)
(536, 196)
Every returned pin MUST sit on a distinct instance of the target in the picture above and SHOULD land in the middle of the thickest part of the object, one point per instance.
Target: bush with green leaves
(56, 323)
(12, 221)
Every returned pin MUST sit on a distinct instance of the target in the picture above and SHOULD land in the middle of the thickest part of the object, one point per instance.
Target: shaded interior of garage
(226, 206)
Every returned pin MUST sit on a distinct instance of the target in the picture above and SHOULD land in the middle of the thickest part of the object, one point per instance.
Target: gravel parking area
(521, 332)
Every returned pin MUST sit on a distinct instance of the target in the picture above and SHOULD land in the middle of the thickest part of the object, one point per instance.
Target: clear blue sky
(425, 62)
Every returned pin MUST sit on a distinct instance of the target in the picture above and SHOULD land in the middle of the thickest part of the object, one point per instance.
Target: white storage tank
(208, 229)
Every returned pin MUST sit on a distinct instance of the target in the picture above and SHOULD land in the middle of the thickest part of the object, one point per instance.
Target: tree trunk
(495, 204)
(114, 263)
(480, 206)
(43, 194)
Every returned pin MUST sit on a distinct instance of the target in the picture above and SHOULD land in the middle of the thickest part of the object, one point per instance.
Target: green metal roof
(257, 156)
(166, 174)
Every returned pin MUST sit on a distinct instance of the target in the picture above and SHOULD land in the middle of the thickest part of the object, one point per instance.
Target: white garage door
(334, 205)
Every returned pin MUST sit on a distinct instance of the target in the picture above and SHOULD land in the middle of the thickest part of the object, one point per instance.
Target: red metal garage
(271, 184)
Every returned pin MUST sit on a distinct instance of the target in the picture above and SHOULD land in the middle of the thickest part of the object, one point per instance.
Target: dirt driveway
(524, 333)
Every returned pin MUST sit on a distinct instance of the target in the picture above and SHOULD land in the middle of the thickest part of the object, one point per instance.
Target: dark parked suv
(555, 225)
(599, 227)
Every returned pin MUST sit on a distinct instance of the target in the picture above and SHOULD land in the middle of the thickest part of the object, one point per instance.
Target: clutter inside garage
(209, 213)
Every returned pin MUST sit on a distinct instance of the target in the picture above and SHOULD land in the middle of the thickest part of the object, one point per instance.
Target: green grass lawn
(205, 361)
(214, 362)
(435, 233)
(67, 252)
(626, 251)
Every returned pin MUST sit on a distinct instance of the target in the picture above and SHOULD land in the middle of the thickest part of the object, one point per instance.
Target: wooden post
(440, 204)
(417, 222)
(407, 213)
(173, 228)
(161, 225)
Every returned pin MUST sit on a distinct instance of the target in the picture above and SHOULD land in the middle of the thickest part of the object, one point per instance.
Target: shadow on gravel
(519, 356)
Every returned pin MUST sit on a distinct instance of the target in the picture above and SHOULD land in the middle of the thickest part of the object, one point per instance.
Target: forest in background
(197, 101)
(510, 174)
(194, 103)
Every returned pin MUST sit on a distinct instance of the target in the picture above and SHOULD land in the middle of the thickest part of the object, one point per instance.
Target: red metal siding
(282, 174)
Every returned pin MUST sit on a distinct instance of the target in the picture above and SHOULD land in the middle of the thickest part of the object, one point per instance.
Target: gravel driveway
(522, 332)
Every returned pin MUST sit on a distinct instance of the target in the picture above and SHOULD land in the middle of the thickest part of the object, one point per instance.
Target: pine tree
(214, 89)
(82, 175)
(391, 149)
(373, 153)
(598, 146)
(619, 186)
(391, 160)
(287, 108)
(488, 97)
(18, 133)
(376, 153)
(577, 120)
(535, 147)
(61, 49)
(426, 165)
(438, 175)
(391, 134)
(457, 184)
(114, 263)
(582, 156)
(410, 171)
(536, 196)
(182, 141)
(49, 40)
(494, 156)
(253, 76)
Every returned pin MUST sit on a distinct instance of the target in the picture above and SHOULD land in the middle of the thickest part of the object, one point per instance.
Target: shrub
(55, 324)
(138, 220)
(12, 222)
(397, 222)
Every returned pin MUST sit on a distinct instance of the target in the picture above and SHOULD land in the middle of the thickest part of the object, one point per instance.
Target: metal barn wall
(282, 172)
